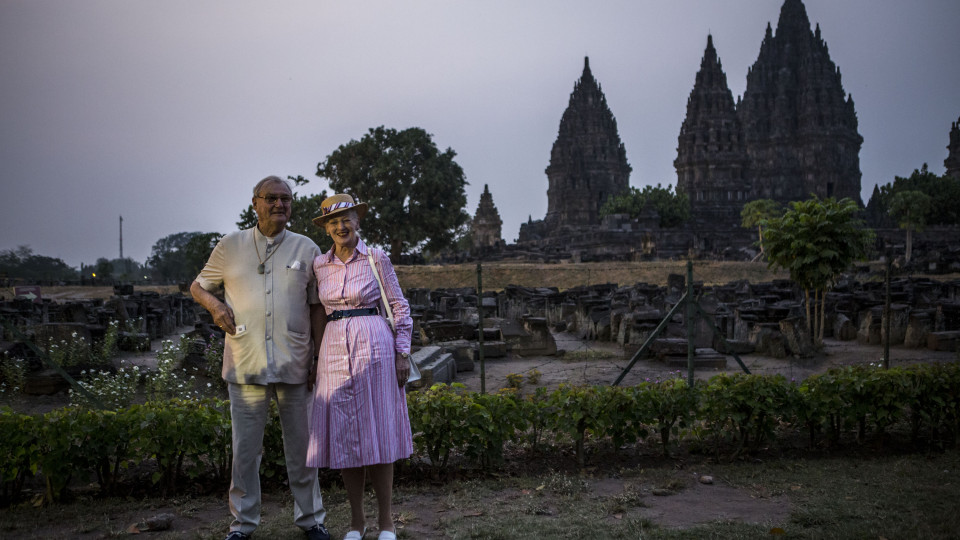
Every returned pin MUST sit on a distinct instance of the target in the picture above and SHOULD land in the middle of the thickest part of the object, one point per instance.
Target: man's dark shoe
(237, 535)
(317, 532)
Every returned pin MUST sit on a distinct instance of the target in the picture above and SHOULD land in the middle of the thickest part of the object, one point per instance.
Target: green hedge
(185, 440)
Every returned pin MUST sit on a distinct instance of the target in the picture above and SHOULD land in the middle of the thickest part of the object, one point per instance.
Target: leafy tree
(23, 263)
(756, 213)
(943, 190)
(876, 211)
(175, 257)
(126, 269)
(415, 192)
(673, 208)
(816, 241)
(302, 211)
(104, 269)
(910, 209)
(197, 250)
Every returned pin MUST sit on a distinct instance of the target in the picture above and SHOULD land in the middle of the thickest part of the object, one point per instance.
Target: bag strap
(383, 294)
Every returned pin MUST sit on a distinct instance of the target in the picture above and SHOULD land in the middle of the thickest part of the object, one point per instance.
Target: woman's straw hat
(336, 205)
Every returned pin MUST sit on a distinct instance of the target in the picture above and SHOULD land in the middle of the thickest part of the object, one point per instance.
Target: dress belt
(344, 313)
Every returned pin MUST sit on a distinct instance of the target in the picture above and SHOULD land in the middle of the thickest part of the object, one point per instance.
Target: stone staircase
(436, 366)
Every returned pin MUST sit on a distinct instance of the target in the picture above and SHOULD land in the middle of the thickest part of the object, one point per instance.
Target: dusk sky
(167, 112)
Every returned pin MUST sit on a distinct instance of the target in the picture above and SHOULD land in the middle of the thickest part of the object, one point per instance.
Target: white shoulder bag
(388, 313)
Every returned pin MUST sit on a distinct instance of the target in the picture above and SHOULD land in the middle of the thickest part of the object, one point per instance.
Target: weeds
(13, 375)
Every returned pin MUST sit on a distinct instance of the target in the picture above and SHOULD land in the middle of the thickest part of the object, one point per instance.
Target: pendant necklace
(261, 267)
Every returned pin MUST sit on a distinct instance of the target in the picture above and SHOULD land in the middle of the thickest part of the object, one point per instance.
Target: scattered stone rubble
(760, 318)
(142, 317)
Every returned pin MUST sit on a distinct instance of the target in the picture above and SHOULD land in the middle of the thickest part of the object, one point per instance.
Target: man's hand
(223, 317)
(312, 373)
(221, 313)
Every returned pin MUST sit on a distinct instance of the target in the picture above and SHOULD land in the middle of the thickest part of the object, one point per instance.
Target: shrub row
(182, 439)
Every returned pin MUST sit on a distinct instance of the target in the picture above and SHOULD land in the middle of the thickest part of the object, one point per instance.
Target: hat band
(337, 206)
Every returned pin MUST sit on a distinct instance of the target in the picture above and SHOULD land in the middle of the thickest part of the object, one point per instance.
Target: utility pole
(121, 237)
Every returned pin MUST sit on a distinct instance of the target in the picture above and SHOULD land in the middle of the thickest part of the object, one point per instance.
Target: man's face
(272, 205)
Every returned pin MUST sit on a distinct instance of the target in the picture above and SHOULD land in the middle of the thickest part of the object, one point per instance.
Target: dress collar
(361, 250)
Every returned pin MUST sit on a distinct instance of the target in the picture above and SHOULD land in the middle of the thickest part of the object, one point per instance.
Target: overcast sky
(167, 112)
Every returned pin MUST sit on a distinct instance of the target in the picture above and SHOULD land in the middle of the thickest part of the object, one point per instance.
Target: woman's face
(343, 229)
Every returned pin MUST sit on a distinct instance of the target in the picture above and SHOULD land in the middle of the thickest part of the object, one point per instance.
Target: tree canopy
(943, 190)
(673, 208)
(415, 192)
(910, 210)
(181, 256)
(23, 263)
(756, 213)
(816, 241)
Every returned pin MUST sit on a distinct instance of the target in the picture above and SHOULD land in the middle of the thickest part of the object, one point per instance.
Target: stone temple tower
(710, 151)
(588, 163)
(800, 128)
(952, 163)
(486, 226)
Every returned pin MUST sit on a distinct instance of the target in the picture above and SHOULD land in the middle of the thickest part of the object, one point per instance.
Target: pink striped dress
(359, 414)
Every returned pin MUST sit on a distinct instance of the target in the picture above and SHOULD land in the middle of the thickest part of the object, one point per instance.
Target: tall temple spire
(485, 229)
(800, 128)
(588, 162)
(710, 153)
(952, 163)
(793, 20)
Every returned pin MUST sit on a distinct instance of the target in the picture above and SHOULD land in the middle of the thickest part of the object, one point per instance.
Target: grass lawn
(857, 495)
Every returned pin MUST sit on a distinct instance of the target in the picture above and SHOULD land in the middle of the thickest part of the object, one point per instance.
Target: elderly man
(274, 324)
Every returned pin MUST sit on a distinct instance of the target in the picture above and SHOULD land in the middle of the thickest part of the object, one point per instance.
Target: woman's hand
(403, 368)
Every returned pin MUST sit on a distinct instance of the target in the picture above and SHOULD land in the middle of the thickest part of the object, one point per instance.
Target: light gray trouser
(249, 406)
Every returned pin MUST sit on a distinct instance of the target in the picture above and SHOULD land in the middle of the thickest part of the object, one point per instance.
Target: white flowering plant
(114, 390)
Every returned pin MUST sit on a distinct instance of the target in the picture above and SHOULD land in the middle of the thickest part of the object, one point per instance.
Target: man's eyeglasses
(272, 199)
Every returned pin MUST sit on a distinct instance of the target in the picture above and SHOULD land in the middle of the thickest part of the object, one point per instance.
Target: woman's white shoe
(387, 535)
(355, 535)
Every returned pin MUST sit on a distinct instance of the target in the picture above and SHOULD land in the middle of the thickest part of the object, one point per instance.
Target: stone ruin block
(193, 357)
(768, 340)
(443, 330)
(75, 312)
(623, 328)
(732, 346)
(664, 347)
(436, 366)
(490, 306)
(529, 337)
(843, 328)
(676, 282)
(869, 331)
(899, 319)
(948, 316)
(463, 353)
(495, 349)
(124, 289)
(943, 341)
(919, 327)
(541, 341)
(797, 337)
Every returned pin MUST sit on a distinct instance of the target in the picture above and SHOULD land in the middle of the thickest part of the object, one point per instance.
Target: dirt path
(607, 361)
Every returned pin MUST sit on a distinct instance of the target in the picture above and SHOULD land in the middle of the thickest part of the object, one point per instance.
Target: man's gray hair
(269, 179)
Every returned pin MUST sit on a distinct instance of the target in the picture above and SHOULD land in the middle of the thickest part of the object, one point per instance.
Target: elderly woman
(359, 422)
